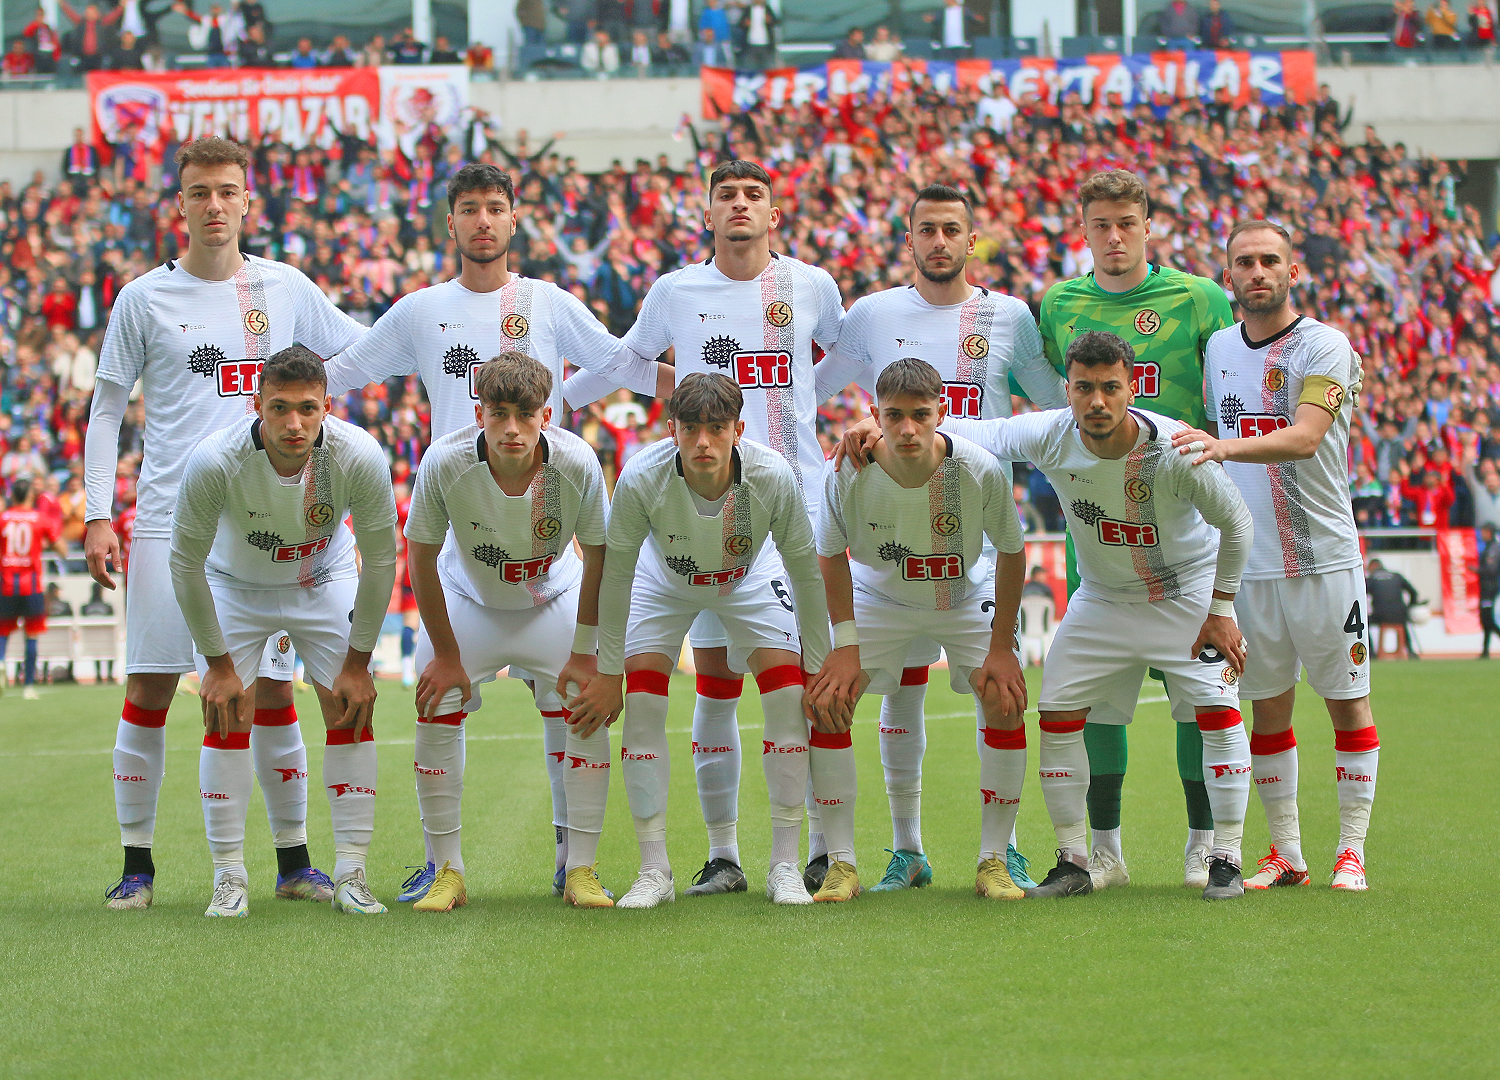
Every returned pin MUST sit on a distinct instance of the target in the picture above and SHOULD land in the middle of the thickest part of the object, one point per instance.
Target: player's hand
(101, 546)
(353, 692)
(857, 444)
(222, 696)
(1193, 441)
(828, 701)
(580, 670)
(599, 705)
(443, 673)
(1222, 634)
(1000, 678)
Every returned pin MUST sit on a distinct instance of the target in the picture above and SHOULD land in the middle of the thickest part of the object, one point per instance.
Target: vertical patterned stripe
(1149, 563)
(776, 283)
(1286, 493)
(943, 497)
(736, 514)
(250, 291)
(515, 299)
(977, 316)
(317, 488)
(546, 502)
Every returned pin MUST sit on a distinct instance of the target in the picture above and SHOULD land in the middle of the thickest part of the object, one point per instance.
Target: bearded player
(1167, 317)
(976, 339)
(753, 315)
(195, 332)
(1281, 389)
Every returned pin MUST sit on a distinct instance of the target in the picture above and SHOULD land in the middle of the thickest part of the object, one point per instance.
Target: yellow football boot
(994, 883)
(581, 888)
(447, 892)
(841, 883)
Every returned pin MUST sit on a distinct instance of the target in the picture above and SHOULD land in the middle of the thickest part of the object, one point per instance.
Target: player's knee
(273, 694)
(1351, 714)
(150, 690)
(713, 662)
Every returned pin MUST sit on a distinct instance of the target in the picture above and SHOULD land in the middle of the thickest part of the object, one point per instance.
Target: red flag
(1458, 560)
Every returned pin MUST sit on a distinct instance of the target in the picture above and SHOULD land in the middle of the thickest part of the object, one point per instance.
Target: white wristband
(1222, 608)
(844, 634)
(586, 640)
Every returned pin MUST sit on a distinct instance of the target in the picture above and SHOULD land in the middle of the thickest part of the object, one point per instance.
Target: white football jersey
(1304, 520)
(198, 347)
(505, 551)
(698, 556)
(920, 547)
(238, 518)
(1145, 526)
(445, 332)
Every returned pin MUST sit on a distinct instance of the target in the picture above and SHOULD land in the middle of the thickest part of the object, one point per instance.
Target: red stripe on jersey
(1356, 742)
(1000, 739)
(1140, 556)
(1279, 743)
(647, 682)
(711, 686)
(778, 678)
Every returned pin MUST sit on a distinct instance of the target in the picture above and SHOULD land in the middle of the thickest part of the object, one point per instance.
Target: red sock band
(1219, 719)
(235, 740)
(134, 714)
(1062, 727)
(281, 717)
(914, 676)
(550, 714)
(1356, 742)
(824, 741)
(647, 682)
(1279, 743)
(452, 718)
(345, 736)
(711, 686)
(1001, 739)
(778, 678)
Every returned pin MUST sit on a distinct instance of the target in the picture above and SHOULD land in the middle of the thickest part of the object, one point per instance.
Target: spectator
(216, 33)
(1406, 30)
(1432, 499)
(46, 43)
(1481, 24)
(668, 57)
(252, 51)
(339, 54)
(374, 53)
(1037, 584)
(1178, 21)
(710, 52)
(953, 33)
(90, 40)
(1442, 25)
(57, 607)
(1489, 584)
(679, 22)
(758, 26)
(1031, 518)
(303, 57)
(712, 17)
(60, 306)
(1483, 479)
(852, 47)
(599, 55)
(443, 52)
(128, 54)
(18, 61)
(884, 48)
(532, 17)
(406, 49)
(639, 55)
(1216, 27)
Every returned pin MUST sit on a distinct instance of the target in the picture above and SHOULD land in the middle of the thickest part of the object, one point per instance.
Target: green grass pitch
(1148, 981)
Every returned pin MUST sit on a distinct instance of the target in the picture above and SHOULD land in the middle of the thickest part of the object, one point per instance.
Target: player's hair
(293, 364)
(705, 397)
(940, 193)
(478, 176)
(909, 377)
(1117, 185)
(513, 378)
(738, 169)
(209, 151)
(1100, 348)
(19, 490)
(1250, 226)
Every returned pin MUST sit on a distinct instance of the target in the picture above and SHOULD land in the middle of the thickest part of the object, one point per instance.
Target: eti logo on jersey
(750, 370)
(1126, 533)
(965, 400)
(298, 552)
(932, 567)
(1147, 378)
(716, 578)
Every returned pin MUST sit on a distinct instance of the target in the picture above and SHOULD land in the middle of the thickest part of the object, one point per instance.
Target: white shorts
(1102, 650)
(315, 620)
(889, 635)
(157, 639)
(539, 639)
(1315, 622)
(757, 615)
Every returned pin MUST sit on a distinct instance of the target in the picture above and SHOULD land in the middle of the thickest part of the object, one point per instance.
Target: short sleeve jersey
(1304, 519)
(1167, 319)
(268, 534)
(760, 333)
(24, 532)
(198, 347)
(920, 547)
(445, 332)
(1136, 520)
(505, 551)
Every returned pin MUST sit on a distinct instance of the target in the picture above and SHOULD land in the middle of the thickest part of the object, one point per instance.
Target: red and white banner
(1458, 561)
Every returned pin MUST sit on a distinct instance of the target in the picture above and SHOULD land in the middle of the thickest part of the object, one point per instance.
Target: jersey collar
(260, 444)
(1152, 269)
(1273, 339)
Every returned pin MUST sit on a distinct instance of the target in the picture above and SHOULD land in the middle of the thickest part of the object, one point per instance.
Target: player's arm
(1222, 506)
(382, 352)
(1029, 364)
(794, 541)
(646, 339)
(583, 664)
(831, 694)
(589, 346)
(1001, 670)
(122, 360)
(373, 507)
(1298, 442)
(446, 670)
(1052, 351)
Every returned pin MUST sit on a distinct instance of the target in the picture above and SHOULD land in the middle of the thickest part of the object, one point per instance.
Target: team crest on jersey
(945, 523)
(1137, 490)
(257, 321)
(1229, 412)
(1275, 379)
(1229, 676)
(719, 351)
(1333, 397)
(1358, 653)
(975, 346)
(1147, 322)
(457, 359)
(1087, 512)
(283, 644)
(779, 313)
(546, 528)
(891, 551)
(737, 546)
(319, 515)
(205, 359)
(514, 327)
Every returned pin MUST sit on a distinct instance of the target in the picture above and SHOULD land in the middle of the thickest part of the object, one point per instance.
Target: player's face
(941, 239)
(481, 224)
(1100, 397)
(909, 423)
(1116, 233)
(741, 211)
(706, 446)
(512, 432)
(1261, 271)
(214, 201)
(291, 418)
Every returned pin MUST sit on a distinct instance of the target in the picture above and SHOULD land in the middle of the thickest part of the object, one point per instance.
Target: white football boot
(231, 898)
(784, 885)
(653, 887)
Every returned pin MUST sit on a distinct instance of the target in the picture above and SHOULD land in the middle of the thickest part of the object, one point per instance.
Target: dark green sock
(1190, 767)
(1108, 752)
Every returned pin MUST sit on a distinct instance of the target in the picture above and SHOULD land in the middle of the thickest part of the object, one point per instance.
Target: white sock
(644, 760)
(225, 778)
(723, 841)
(1226, 775)
(784, 839)
(555, 749)
(409, 669)
(438, 762)
(817, 846)
(836, 785)
(716, 762)
(1273, 765)
(1228, 836)
(1356, 760)
(281, 767)
(784, 747)
(1198, 838)
(587, 780)
(1107, 840)
(1002, 774)
(654, 852)
(349, 776)
(903, 742)
(1063, 768)
(140, 762)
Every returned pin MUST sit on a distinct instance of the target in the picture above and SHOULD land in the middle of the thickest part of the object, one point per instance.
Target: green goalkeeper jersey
(1168, 319)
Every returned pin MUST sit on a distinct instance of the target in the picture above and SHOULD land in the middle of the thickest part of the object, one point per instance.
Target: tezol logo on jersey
(932, 567)
(1147, 379)
(1126, 533)
(965, 400)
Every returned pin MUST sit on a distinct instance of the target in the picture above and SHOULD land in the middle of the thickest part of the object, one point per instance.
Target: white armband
(586, 640)
(1222, 608)
(845, 634)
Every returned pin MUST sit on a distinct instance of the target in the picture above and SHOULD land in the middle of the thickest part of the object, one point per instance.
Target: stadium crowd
(1388, 252)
